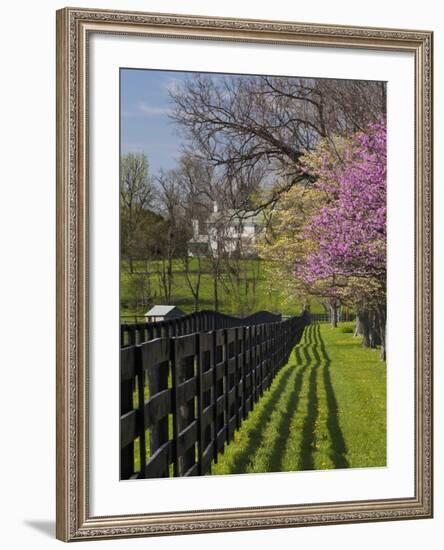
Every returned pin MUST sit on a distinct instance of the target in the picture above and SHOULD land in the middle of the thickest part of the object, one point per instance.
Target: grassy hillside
(268, 295)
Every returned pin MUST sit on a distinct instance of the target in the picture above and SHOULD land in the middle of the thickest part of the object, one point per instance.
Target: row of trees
(318, 149)
(159, 216)
(328, 238)
(255, 130)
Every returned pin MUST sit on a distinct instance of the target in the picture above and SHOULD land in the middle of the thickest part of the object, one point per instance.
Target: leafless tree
(172, 236)
(193, 277)
(250, 126)
(136, 197)
(204, 189)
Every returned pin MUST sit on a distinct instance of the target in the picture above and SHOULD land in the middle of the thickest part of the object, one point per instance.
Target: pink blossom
(349, 232)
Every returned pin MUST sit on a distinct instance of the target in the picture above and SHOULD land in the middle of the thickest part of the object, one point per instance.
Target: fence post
(158, 374)
(258, 362)
(240, 375)
(231, 392)
(220, 411)
(128, 370)
(184, 415)
(206, 401)
(141, 410)
(248, 380)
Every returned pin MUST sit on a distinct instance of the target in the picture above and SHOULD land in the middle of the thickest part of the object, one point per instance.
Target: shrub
(347, 328)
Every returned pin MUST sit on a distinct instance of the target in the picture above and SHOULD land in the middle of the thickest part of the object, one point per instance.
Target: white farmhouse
(226, 231)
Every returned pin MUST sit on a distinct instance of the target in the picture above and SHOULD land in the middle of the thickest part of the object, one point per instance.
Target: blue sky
(145, 124)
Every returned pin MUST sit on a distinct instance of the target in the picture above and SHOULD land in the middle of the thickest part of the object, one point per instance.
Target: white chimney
(195, 224)
(215, 207)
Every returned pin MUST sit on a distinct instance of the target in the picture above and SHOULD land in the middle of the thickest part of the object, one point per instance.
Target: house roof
(234, 216)
(162, 310)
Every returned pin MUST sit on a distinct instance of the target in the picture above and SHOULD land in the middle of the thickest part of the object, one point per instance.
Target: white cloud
(172, 84)
(150, 110)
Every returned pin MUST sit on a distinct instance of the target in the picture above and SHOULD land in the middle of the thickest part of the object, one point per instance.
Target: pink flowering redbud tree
(348, 233)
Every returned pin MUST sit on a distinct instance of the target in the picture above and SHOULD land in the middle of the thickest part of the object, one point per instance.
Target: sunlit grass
(325, 409)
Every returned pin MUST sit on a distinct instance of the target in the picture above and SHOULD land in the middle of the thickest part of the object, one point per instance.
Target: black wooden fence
(136, 333)
(184, 395)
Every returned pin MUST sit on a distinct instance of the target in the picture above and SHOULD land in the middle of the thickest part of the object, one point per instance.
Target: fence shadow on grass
(256, 434)
(306, 460)
(312, 360)
(309, 429)
(241, 460)
(284, 425)
(339, 447)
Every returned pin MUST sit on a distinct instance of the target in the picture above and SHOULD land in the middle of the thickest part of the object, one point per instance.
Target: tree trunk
(383, 355)
(358, 326)
(370, 324)
(333, 315)
(170, 278)
(364, 328)
(215, 293)
(381, 320)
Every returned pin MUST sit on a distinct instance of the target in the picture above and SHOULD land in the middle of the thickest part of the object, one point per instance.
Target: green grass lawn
(270, 294)
(325, 409)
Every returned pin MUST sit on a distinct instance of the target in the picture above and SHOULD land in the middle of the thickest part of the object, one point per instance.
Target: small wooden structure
(162, 313)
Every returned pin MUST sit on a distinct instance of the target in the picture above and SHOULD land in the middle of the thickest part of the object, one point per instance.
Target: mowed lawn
(325, 409)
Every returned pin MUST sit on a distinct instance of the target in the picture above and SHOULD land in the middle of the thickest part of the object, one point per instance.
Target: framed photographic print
(244, 274)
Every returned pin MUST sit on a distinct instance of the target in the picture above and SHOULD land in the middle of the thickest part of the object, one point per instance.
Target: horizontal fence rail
(184, 395)
(136, 333)
(326, 317)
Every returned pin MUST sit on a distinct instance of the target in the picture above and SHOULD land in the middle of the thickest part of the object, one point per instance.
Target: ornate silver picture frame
(76, 519)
